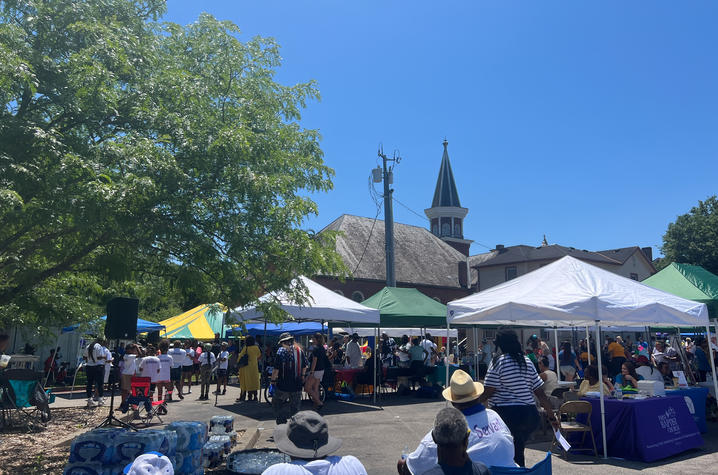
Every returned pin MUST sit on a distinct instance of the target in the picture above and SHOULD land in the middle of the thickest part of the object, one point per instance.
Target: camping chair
(142, 402)
(569, 426)
(21, 389)
(541, 468)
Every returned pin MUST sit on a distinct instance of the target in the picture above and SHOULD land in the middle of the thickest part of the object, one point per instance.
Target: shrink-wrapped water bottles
(191, 435)
(86, 468)
(225, 440)
(212, 454)
(130, 445)
(221, 424)
(95, 446)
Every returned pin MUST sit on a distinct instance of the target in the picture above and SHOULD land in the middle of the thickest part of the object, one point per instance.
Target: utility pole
(387, 176)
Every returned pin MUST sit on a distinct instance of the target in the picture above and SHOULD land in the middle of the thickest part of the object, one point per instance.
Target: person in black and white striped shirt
(510, 386)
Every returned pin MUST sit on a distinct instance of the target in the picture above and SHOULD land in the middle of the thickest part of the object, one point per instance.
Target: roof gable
(420, 257)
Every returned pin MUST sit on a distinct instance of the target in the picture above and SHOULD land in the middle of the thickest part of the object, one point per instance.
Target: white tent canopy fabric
(392, 332)
(570, 292)
(323, 304)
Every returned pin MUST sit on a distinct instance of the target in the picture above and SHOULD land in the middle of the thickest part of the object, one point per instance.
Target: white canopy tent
(323, 305)
(392, 332)
(571, 293)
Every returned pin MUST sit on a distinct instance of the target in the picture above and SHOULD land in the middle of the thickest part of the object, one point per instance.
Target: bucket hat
(306, 436)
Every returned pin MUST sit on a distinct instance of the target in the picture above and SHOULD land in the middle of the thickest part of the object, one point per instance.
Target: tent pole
(710, 357)
(375, 355)
(476, 352)
(54, 355)
(555, 360)
(448, 329)
(600, 380)
(588, 345)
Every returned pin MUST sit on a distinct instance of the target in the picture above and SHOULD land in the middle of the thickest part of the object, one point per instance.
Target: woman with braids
(510, 386)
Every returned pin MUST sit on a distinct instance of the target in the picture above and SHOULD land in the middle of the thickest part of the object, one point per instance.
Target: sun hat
(450, 427)
(306, 436)
(285, 336)
(462, 388)
(151, 463)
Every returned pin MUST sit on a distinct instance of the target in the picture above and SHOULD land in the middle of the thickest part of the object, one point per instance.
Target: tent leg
(588, 344)
(710, 357)
(475, 334)
(376, 355)
(555, 344)
(600, 379)
(448, 329)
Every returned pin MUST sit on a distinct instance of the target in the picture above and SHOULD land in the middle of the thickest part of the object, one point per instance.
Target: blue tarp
(142, 326)
(295, 328)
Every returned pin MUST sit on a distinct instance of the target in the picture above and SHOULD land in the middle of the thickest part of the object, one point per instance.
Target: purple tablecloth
(647, 429)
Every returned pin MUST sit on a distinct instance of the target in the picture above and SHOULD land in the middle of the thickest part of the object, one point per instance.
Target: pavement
(378, 435)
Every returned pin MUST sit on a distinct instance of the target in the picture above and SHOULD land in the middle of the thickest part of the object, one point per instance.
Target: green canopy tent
(401, 307)
(690, 282)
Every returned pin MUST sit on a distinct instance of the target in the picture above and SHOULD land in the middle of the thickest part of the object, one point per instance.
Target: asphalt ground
(377, 435)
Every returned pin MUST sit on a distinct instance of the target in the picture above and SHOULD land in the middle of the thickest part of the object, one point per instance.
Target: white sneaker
(100, 402)
(90, 402)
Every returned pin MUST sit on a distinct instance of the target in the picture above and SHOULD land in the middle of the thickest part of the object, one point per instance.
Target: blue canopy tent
(143, 326)
(295, 328)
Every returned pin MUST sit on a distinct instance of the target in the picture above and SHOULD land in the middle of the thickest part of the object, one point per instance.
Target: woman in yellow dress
(249, 374)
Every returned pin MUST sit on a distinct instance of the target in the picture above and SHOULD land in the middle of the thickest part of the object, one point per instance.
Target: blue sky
(594, 123)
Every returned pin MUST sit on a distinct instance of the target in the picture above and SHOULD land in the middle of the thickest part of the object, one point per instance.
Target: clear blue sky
(595, 123)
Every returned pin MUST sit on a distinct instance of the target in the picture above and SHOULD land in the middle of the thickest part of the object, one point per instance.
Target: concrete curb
(247, 441)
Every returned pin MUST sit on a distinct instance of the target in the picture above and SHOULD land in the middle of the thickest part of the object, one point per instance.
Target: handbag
(243, 361)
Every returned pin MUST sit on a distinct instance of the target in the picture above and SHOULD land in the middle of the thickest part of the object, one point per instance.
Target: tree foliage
(693, 238)
(149, 159)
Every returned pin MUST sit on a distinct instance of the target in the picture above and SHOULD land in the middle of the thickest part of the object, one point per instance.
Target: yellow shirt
(585, 387)
(616, 350)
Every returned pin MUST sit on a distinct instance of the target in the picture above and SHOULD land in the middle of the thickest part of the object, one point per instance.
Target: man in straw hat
(306, 439)
(290, 368)
(489, 442)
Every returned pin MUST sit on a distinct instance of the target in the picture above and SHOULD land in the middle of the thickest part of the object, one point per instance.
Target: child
(150, 367)
(206, 363)
(163, 378)
(128, 368)
(222, 368)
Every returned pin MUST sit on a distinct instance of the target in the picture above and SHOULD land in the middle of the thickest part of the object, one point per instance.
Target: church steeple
(446, 214)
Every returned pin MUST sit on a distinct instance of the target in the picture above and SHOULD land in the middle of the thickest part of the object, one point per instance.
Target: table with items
(645, 429)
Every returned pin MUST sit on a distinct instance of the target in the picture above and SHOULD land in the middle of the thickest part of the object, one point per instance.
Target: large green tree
(693, 238)
(149, 159)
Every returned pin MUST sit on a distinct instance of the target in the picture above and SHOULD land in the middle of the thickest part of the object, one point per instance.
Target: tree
(137, 156)
(693, 238)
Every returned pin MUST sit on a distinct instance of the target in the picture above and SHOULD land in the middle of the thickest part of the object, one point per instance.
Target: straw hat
(285, 336)
(462, 388)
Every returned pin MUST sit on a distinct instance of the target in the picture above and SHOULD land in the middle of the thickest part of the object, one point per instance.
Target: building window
(489, 334)
(446, 229)
(457, 229)
(357, 296)
(510, 272)
(435, 229)
(339, 292)
(634, 276)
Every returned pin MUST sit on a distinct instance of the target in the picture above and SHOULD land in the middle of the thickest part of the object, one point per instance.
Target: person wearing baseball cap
(288, 377)
(489, 442)
(305, 438)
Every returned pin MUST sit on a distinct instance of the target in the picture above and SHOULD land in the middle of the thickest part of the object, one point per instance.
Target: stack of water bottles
(191, 437)
(107, 451)
(222, 437)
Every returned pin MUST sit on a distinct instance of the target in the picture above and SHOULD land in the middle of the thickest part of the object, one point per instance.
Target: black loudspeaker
(121, 320)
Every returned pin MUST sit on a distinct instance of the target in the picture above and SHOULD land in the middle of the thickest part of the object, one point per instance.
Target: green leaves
(147, 159)
(693, 238)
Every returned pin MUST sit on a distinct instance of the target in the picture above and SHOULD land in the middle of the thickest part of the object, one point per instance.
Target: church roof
(522, 253)
(419, 256)
(445, 194)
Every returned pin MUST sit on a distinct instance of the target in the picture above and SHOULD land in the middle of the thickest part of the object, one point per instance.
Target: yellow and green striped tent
(199, 323)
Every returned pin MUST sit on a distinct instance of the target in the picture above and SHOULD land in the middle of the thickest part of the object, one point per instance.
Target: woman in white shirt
(128, 367)
(94, 356)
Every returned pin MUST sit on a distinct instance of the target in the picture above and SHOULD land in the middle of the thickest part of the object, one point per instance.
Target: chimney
(648, 252)
(463, 281)
(500, 248)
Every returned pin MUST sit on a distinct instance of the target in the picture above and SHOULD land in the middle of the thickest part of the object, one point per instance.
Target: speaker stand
(111, 420)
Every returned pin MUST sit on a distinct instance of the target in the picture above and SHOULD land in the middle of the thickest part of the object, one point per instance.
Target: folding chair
(569, 426)
(21, 389)
(141, 401)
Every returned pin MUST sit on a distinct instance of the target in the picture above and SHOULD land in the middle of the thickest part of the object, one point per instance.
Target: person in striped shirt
(510, 386)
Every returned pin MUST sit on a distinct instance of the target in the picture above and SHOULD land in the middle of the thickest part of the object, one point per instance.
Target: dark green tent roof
(400, 307)
(690, 282)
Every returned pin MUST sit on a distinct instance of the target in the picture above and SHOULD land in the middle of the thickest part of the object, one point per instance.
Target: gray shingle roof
(420, 257)
(522, 253)
(445, 194)
(621, 254)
